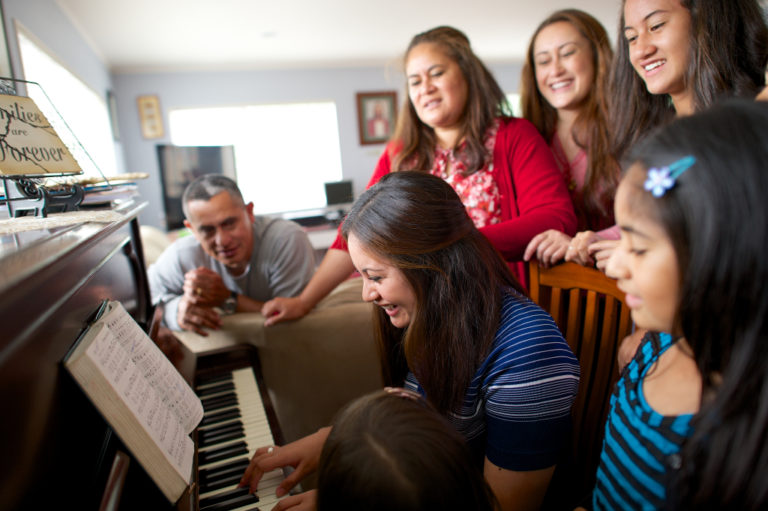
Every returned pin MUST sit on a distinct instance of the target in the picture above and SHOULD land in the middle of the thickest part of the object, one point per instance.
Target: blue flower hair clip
(662, 179)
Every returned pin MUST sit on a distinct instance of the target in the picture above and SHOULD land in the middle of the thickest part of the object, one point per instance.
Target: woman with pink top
(564, 90)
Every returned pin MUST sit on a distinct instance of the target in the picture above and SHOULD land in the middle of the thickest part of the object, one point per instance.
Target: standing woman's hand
(578, 251)
(281, 309)
(601, 251)
(549, 247)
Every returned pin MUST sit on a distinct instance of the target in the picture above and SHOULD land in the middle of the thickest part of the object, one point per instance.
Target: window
(84, 111)
(284, 153)
(514, 102)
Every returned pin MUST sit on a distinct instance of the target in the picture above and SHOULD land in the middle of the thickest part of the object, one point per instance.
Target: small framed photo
(150, 116)
(376, 115)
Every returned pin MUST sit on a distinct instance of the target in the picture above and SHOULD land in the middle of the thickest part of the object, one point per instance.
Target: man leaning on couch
(233, 262)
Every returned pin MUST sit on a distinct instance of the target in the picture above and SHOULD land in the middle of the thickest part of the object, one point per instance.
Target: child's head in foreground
(391, 450)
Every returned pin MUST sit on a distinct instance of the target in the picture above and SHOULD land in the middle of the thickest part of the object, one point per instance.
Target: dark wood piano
(57, 451)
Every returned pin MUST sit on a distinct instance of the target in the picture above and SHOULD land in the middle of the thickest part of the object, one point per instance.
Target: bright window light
(514, 102)
(84, 111)
(283, 153)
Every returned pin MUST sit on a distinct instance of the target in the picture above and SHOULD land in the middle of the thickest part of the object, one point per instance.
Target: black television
(180, 165)
(338, 192)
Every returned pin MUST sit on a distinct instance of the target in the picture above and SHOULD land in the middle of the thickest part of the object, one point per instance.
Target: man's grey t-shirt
(282, 262)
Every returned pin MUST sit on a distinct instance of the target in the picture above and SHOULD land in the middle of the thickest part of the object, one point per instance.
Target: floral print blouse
(478, 191)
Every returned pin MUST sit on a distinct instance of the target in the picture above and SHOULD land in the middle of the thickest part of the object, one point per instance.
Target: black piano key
(218, 439)
(221, 497)
(244, 500)
(234, 465)
(231, 479)
(219, 430)
(218, 404)
(217, 417)
(236, 469)
(207, 380)
(220, 397)
(222, 482)
(222, 453)
(222, 387)
(226, 496)
(230, 474)
(216, 399)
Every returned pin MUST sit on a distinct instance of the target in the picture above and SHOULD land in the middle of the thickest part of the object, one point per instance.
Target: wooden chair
(590, 311)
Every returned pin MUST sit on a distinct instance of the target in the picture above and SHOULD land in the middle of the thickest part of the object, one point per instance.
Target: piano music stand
(23, 196)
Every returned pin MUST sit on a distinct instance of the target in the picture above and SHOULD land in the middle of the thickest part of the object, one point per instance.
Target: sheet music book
(141, 395)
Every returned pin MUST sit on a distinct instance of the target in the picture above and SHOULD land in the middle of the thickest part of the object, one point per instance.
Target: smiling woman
(677, 57)
(444, 294)
(564, 90)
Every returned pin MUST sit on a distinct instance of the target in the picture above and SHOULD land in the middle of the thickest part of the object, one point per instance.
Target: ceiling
(175, 35)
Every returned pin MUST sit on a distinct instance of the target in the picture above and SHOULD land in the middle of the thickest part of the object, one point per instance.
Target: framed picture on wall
(150, 116)
(376, 115)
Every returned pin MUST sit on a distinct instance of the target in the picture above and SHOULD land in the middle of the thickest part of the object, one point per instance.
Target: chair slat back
(589, 309)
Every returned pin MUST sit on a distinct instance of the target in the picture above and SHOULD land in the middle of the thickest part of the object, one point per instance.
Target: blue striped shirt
(517, 407)
(641, 446)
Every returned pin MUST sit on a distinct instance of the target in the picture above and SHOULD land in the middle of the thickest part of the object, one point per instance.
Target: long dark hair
(485, 102)
(590, 130)
(392, 451)
(417, 222)
(729, 51)
(717, 219)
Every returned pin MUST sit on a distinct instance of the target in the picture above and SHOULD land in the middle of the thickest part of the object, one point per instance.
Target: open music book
(141, 395)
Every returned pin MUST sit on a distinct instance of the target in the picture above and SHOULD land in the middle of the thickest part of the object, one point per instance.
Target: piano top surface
(24, 253)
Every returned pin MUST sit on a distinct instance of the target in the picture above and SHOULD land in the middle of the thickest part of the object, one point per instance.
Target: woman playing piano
(453, 325)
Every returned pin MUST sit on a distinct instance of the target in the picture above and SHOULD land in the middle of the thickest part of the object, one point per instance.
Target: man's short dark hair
(208, 185)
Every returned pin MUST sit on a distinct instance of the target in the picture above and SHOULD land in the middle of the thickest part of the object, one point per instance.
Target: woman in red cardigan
(454, 125)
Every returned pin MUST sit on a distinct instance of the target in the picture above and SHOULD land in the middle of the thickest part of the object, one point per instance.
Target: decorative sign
(28, 143)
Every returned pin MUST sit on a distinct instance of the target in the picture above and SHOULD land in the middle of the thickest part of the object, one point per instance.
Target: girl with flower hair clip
(688, 421)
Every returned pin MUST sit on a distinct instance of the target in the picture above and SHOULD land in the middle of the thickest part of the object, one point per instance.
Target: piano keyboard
(234, 425)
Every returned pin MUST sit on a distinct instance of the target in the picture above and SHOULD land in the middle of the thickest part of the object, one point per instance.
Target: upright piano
(57, 450)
